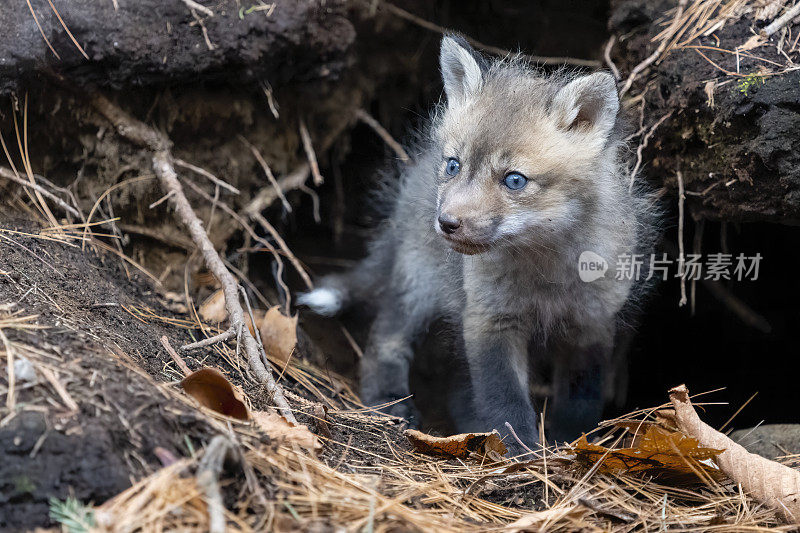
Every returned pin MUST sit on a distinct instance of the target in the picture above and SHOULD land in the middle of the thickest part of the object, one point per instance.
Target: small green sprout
(72, 514)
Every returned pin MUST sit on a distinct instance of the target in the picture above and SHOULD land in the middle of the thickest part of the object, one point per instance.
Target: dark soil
(112, 364)
(93, 454)
(743, 152)
(149, 41)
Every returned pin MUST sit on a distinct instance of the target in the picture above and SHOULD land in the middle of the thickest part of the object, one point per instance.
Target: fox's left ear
(589, 103)
(462, 69)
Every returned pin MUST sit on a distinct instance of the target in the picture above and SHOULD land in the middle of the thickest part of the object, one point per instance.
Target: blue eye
(452, 167)
(515, 181)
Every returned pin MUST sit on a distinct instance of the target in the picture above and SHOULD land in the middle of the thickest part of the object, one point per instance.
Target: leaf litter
(365, 475)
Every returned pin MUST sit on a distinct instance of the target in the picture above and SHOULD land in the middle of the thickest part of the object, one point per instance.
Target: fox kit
(517, 175)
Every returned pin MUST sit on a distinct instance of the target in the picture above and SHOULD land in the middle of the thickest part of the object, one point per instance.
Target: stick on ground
(142, 134)
(208, 473)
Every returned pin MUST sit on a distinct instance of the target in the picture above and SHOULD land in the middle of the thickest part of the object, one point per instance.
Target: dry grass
(690, 23)
(406, 491)
(367, 478)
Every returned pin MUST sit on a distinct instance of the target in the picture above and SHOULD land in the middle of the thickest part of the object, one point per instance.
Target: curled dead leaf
(776, 485)
(461, 445)
(210, 388)
(278, 334)
(213, 308)
(280, 430)
(658, 452)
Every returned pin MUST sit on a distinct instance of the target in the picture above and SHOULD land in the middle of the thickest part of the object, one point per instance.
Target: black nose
(449, 223)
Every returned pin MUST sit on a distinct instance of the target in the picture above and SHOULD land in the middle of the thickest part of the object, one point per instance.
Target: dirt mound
(731, 108)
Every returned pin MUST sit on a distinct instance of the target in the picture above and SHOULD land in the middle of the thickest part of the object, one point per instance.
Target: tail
(365, 282)
(327, 300)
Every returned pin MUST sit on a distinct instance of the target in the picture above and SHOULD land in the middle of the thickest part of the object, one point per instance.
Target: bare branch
(9, 175)
(142, 134)
(222, 337)
(310, 154)
(781, 21)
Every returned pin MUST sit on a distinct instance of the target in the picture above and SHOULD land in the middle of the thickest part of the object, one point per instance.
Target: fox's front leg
(582, 362)
(387, 359)
(496, 349)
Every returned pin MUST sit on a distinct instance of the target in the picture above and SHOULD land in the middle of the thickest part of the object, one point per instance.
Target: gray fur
(518, 295)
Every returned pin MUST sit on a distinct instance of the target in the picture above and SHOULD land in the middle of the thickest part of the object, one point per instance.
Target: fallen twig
(519, 441)
(222, 337)
(175, 357)
(774, 484)
(597, 508)
(781, 21)
(208, 472)
(142, 134)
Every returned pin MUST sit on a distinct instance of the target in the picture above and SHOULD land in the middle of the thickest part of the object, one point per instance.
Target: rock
(770, 441)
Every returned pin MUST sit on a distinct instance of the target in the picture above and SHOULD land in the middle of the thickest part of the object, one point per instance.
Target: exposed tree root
(142, 134)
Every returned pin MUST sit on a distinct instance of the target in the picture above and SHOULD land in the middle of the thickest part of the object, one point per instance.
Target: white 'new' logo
(591, 266)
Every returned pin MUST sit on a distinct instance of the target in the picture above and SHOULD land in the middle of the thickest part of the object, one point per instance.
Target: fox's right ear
(462, 68)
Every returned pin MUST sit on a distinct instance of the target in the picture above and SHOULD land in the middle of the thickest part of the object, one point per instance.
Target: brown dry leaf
(661, 453)
(210, 388)
(279, 429)
(776, 485)
(279, 334)
(460, 445)
(753, 42)
(213, 308)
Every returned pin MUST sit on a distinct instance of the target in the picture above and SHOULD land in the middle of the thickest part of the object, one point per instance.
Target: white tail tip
(325, 301)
